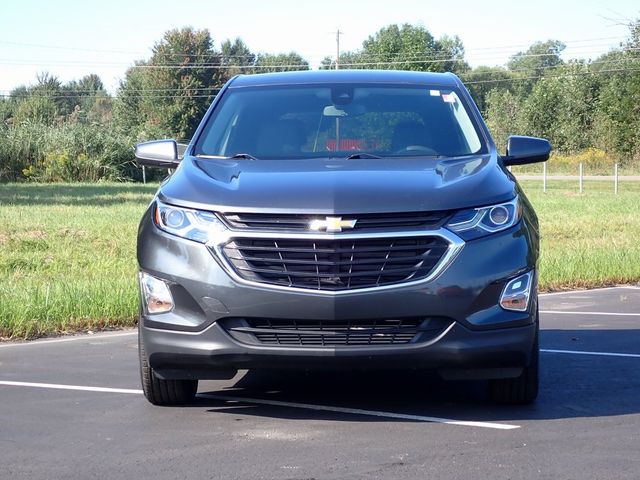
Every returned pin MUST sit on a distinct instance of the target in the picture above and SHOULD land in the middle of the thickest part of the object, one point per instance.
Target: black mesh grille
(321, 264)
(386, 221)
(329, 333)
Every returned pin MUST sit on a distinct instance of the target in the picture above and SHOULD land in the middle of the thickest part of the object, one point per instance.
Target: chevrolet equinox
(340, 220)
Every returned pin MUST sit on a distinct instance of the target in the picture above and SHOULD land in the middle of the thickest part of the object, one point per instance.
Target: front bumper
(460, 353)
(483, 339)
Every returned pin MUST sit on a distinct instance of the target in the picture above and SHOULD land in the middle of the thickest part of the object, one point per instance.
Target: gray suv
(340, 220)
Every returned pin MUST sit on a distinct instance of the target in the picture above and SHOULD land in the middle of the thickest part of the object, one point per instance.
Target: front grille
(330, 264)
(334, 333)
(369, 221)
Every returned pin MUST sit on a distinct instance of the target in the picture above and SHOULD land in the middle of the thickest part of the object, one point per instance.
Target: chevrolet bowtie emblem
(332, 224)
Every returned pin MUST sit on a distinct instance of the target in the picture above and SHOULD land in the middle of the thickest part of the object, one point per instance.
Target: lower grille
(329, 264)
(334, 333)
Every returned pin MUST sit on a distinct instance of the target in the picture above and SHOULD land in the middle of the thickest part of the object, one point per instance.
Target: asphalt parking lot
(71, 408)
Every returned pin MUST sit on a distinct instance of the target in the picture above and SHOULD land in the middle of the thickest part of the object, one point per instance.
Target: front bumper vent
(334, 333)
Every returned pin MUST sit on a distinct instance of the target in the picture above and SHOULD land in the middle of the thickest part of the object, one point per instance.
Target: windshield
(290, 122)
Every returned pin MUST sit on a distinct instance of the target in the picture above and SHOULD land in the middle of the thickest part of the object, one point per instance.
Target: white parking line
(565, 292)
(97, 336)
(275, 403)
(358, 411)
(56, 386)
(598, 354)
(608, 314)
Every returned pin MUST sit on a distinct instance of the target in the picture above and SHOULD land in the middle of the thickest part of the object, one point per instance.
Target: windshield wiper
(242, 155)
(362, 155)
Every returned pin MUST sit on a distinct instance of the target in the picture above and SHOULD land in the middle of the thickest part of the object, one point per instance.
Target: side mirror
(159, 153)
(523, 150)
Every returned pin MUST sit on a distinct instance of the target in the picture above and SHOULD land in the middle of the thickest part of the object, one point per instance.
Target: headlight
(478, 222)
(196, 225)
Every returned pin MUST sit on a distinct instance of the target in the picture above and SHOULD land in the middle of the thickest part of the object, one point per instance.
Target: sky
(72, 38)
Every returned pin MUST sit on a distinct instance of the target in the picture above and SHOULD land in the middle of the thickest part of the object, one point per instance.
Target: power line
(540, 77)
(424, 59)
(561, 66)
(574, 64)
(220, 64)
(100, 96)
(140, 52)
(472, 82)
(614, 62)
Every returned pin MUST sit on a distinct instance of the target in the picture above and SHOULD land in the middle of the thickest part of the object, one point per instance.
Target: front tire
(521, 390)
(164, 392)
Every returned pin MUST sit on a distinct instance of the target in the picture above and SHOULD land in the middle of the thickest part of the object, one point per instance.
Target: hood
(338, 186)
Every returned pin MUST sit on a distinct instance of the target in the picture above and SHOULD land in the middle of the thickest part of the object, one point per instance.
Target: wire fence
(580, 181)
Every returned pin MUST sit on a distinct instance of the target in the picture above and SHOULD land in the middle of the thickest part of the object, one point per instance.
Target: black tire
(164, 392)
(521, 390)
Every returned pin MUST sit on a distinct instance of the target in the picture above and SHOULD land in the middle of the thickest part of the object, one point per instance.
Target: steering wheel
(416, 149)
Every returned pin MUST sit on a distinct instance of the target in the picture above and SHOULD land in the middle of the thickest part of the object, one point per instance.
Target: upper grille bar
(366, 221)
(319, 250)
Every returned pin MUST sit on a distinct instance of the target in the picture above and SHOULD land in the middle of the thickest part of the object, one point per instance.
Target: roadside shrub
(69, 152)
(65, 167)
(593, 160)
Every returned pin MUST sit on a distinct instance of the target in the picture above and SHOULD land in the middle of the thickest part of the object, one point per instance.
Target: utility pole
(337, 48)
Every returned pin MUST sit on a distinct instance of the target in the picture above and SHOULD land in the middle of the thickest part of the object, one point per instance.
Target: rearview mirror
(524, 150)
(344, 111)
(332, 111)
(158, 153)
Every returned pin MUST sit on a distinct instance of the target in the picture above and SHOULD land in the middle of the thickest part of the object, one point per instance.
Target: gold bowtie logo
(332, 224)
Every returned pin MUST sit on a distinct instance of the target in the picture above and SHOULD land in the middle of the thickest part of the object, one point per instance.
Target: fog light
(155, 294)
(516, 293)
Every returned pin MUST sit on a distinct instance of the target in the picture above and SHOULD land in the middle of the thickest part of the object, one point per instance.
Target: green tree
(237, 58)
(282, 62)
(538, 57)
(617, 116)
(481, 80)
(36, 108)
(180, 80)
(7, 108)
(412, 47)
(348, 60)
(41, 103)
(538, 60)
(634, 37)
(579, 94)
(504, 115)
(129, 114)
(86, 100)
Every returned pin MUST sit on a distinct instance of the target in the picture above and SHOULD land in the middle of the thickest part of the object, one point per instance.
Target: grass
(589, 239)
(67, 256)
(67, 251)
